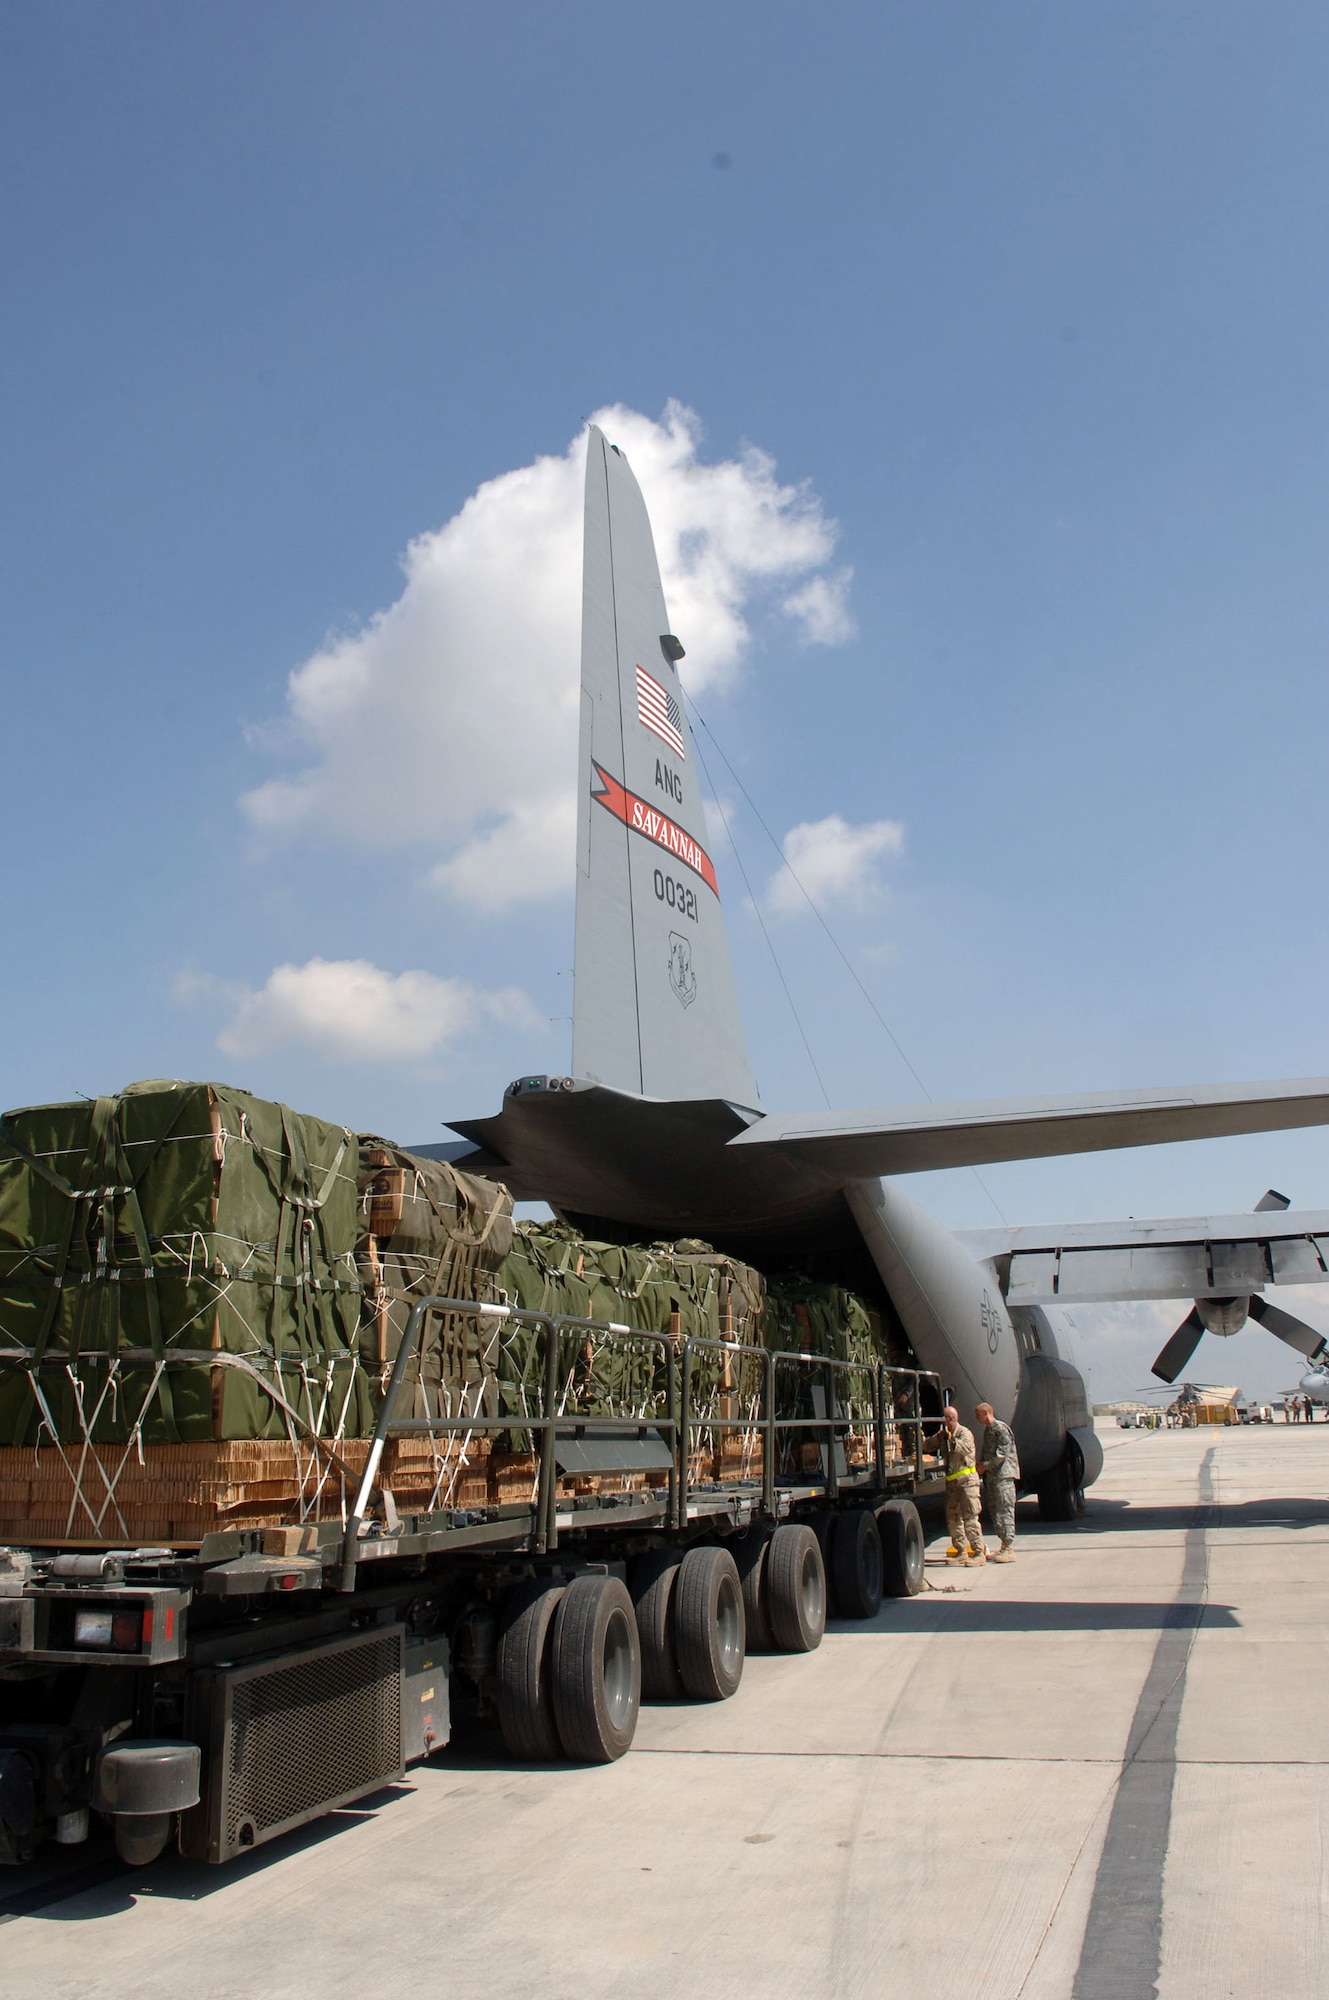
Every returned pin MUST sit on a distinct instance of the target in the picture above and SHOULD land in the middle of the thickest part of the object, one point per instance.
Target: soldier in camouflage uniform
(999, 1463)
(955, 1446)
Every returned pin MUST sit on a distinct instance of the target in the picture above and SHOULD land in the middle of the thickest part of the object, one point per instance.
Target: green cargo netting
(177, 1216)
(425, 1229)
(195, 1217)
(684, 1290)
(805, 1317)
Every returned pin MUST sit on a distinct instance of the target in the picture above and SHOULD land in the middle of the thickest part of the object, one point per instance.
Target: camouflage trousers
(962, 1513)
(1000, 1497)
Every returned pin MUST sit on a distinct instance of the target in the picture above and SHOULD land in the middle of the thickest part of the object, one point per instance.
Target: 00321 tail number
(677, 894)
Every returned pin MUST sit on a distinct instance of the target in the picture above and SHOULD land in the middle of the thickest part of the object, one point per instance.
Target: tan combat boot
(1005, 1554)
(975, 1558)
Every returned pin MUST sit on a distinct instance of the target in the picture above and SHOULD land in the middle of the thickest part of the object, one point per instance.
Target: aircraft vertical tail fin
(655, 1011)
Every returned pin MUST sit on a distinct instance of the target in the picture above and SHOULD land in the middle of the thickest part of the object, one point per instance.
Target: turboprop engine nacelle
(1223, 1316)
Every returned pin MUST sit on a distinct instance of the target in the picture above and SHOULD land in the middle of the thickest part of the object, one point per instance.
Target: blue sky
(1030, 302)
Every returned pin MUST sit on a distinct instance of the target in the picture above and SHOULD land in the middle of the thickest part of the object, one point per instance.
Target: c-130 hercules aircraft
(659, 1131)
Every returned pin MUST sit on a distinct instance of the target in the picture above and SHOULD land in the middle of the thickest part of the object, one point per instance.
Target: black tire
(1056, 1491)
(822, 1524)
(856, 1563)
(750, 1556)
(651, 1581)
(1076, 1457)
(525, 1671)
(709, 1626)
(902, 1548)
(597, 1670)
(796, 1588)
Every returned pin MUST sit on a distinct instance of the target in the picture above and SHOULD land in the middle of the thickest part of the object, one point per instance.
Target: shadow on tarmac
(99, 1884)
(1010, 1614)
(1115, 1517)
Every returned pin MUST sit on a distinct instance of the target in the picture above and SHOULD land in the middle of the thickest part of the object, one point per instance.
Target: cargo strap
(299, 1218)
(88, 1450)
(106, 1178)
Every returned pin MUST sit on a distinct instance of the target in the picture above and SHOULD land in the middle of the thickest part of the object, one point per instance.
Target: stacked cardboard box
(178, 1493)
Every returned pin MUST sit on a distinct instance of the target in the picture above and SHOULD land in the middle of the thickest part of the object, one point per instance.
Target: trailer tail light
(94, 1628)
(135, 1624)
(110, 1628)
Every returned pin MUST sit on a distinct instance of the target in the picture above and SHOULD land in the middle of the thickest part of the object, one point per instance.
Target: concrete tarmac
(1095, 1774)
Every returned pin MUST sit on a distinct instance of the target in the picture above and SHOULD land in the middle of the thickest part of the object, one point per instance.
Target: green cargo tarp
(806, 1317)
(195, 1217)
(177, 1216)
(427, 1231)
(681, 1289)
(803, 1316)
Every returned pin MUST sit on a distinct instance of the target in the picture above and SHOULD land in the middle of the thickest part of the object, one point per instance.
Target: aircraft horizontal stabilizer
(917, 1138)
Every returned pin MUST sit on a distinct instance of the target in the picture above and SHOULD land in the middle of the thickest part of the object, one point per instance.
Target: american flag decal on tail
(659, 712)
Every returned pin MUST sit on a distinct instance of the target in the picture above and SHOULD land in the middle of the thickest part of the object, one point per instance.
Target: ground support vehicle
(715, 1497)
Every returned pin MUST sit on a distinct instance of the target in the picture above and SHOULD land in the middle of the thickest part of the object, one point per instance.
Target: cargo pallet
(226, 1692)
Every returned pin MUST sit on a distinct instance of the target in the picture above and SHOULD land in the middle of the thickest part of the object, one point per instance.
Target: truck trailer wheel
(709, 1626)
(597, 1669)
(651, 1581)
(525, 1671)
(902, 1545)
(796, 1588)
(750, 1555)
(856, 1563)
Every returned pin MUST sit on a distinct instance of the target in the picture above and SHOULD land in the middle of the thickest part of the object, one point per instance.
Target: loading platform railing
(852, 1425)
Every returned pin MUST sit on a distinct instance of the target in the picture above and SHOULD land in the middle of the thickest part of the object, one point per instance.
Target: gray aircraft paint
(951, 1307)
(1214, 1256)
(917, 1138)
(656, 1012)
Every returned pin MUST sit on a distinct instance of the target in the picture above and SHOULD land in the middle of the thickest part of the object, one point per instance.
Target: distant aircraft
(658, 1132)
(1316, 1385)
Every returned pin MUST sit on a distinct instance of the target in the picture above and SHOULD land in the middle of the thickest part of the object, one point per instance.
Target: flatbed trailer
(223, 1693)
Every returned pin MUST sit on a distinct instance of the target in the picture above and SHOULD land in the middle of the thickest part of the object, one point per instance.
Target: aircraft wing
(1195, 1257)
(915, 1138)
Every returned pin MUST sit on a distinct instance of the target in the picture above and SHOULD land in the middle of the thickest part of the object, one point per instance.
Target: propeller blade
(1294, 1331)
(1271, 1198)
(1180, 1348)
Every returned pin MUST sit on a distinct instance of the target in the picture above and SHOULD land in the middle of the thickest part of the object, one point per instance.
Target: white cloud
(821, 606)
(834, 861)
(349, 1010)
(450, 719)
(527, 854)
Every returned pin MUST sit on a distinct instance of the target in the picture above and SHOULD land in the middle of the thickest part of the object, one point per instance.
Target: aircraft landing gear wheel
(856, 1563)
(651, 1581)
(597, 1670)
(902, 1546)
(1056, 1491)
(709, 1627)
(796, 1588)
(525, 1672)
(750, 1555)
